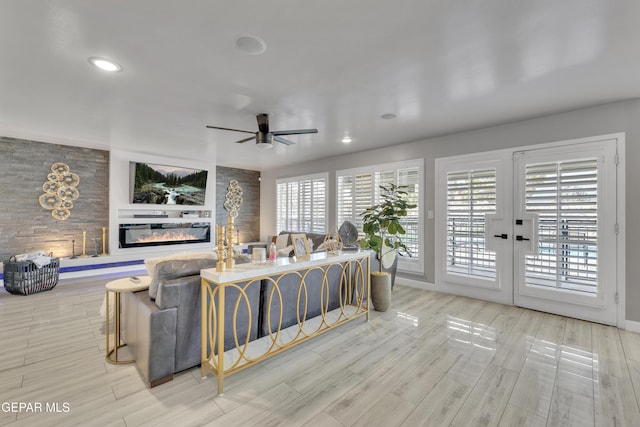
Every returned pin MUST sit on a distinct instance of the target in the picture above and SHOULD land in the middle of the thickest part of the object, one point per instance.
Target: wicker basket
(24, 278)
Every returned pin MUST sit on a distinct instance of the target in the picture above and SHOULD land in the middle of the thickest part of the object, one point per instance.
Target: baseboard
(415, 283)
(631, 326)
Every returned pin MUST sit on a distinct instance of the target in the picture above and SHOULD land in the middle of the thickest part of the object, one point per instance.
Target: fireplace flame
(166, 236)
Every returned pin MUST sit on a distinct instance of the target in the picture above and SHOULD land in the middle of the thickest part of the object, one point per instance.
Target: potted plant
(382, 230)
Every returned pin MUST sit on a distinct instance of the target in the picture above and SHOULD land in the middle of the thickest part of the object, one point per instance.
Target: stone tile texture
(24, 225)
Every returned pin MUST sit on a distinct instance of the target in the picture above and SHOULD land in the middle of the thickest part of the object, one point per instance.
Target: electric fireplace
(141, 235)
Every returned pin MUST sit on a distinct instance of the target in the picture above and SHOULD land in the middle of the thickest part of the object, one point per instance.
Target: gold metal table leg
(117, 342)
(221, 309)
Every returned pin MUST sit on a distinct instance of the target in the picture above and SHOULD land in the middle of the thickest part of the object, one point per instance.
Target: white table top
(126, 285)
(250, 270)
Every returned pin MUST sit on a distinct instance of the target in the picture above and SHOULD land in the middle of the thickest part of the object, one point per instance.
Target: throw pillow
(151, 264)
(285, 251)
(282, 241)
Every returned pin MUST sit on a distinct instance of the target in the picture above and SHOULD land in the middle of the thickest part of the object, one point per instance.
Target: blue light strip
(95, 266)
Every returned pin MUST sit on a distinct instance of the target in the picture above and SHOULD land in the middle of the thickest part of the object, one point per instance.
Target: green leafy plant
(382, 222)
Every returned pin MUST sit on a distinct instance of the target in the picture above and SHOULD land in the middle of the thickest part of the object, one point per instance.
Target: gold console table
(353, 269)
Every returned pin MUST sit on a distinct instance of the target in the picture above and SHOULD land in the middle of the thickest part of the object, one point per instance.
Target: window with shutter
(411, 223)
(565, 197)
(302, 204)
(470, 196)
(359, 189)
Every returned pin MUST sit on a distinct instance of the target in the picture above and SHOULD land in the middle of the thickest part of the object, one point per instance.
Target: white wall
(119, 198)
(599, 120)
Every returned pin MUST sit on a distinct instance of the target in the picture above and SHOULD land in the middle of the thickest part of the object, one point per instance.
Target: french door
(535, 227)
(469, 190)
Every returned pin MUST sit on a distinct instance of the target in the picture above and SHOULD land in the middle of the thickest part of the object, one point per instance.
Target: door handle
(502, 236)
(520, 238)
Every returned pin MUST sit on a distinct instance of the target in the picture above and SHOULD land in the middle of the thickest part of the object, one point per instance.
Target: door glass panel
(470, 196)
(410, 178)
(565, 197)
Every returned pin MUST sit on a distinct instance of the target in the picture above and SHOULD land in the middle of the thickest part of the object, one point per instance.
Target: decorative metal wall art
(60, 191)
(233, 199)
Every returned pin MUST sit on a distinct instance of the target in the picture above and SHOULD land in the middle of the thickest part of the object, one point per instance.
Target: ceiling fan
(264, 138)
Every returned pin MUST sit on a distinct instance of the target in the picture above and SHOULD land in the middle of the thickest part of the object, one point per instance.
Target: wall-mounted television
(167, 185)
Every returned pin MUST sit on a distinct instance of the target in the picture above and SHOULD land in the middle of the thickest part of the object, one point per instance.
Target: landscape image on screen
(168, 185)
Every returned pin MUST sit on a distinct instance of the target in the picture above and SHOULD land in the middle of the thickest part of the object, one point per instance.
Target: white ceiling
(335, 65)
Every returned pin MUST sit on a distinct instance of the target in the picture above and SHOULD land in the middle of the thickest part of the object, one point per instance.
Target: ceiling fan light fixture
(264, 140)
(346, 139)
(251, 45)
(105, 64)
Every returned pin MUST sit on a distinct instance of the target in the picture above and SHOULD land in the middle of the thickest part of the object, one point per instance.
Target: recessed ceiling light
(346, 139)
(388, 116)
(251, 45)
(105, 64)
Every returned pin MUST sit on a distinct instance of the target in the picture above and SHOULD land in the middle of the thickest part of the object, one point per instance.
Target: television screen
(168, 185)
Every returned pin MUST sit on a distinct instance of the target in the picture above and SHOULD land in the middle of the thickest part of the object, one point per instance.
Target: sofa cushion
(167, 273)
(285, 251)
(282, 241)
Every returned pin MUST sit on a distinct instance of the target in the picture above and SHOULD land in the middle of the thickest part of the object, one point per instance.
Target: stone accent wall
(248, 220)
(24, 225)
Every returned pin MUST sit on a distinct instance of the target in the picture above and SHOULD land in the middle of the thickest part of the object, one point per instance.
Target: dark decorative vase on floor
(381, 290)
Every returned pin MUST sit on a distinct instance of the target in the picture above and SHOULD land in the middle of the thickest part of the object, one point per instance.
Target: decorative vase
(380, 290)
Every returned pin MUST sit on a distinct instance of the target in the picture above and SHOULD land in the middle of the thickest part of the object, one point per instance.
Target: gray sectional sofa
(164, 333)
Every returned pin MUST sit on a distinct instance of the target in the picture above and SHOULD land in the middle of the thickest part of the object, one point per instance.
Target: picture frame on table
(300, 245)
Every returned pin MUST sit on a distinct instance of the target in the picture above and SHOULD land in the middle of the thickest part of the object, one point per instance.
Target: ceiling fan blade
(294, 132)
(234, 130)
(282, 140)
(263, 122)
(245, 140)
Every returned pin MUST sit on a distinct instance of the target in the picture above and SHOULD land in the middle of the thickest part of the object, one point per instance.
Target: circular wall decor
(233, 198)
(59, 168)
(49, 201)
(51, 187)
(60, 213)
(66, 192)
(70, 178)
(60, 191)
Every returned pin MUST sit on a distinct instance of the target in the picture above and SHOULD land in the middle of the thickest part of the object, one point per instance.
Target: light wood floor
(432, 359)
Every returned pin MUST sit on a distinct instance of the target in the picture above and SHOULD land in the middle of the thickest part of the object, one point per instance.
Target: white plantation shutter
(470, 196)
(565, 196)
(305, 198)
(382, 178)
(302, 204)
(355, 193)
(411, 223)
(363, 196)
(359, 189)
(345, 199)
(318, 220)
